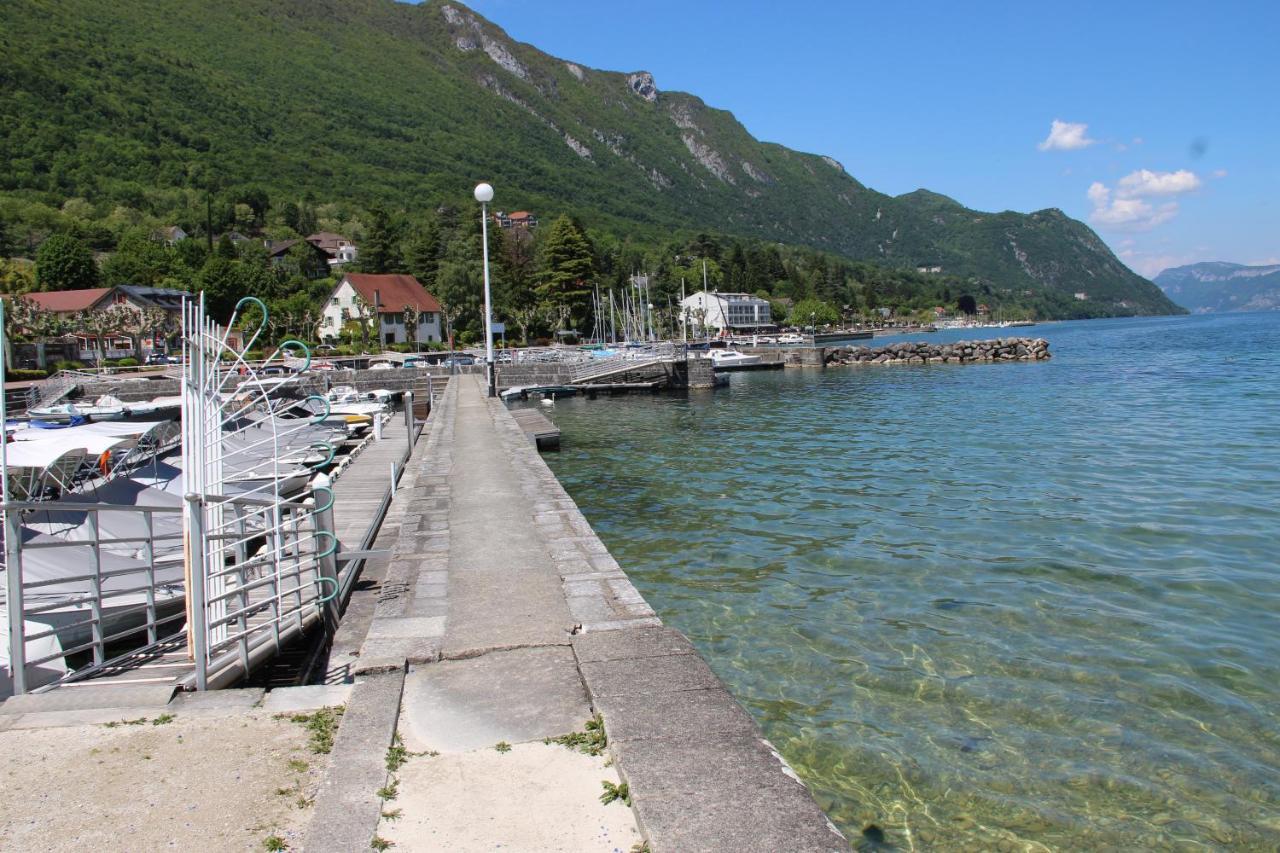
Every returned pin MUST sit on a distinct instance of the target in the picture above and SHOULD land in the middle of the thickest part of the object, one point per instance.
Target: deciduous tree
(65, 263)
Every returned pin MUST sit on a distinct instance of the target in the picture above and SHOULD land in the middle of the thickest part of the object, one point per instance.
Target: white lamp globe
(484, 193)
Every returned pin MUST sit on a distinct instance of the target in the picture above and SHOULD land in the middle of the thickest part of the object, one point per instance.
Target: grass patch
(297, 765)
(389, 791)
(274, 842)
(502, 746)
(591, 741)
(163, 719)
(380, 843)
(392, 814)
(397, 755)
(640, 847)
(117, 723)
(614, 792)
(323, 726)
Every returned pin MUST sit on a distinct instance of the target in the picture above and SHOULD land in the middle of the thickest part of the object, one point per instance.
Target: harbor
(576, 642)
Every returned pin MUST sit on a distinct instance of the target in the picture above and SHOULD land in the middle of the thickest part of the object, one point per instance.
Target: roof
(279, 248)
(155, 297)
(393, 292)
(327, 240)
(519, 214)
(63, 301)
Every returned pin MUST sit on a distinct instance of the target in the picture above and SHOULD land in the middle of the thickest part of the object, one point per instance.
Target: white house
(387, 296)
(725, 311)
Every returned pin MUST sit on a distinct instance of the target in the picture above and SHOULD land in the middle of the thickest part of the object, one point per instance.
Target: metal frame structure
(251, 567)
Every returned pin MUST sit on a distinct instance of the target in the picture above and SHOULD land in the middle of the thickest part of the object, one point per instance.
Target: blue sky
(1178, 160)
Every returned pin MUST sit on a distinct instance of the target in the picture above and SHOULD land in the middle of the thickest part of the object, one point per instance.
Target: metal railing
(639, 359)
(132, 586)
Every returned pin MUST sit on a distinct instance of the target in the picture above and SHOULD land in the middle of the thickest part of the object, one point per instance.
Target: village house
(929, 268)
(170, 235)
(726, 311)
(386, 297)
(119, 342)
(312, 261)
(336, 248)
(520, 220)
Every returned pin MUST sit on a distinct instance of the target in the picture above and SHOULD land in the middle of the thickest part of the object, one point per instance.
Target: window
(334, 301)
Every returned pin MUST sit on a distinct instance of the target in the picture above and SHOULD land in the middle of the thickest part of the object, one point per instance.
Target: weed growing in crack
(592, 741)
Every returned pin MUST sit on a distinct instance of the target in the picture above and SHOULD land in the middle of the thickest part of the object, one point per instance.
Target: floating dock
(540, 430)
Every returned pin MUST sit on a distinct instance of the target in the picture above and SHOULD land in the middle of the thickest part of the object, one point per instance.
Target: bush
(127, 361)
(63, 364)
(21, 375)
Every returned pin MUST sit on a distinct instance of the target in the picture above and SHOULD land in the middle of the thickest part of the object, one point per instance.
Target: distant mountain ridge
(383, 102)
(1220, 286)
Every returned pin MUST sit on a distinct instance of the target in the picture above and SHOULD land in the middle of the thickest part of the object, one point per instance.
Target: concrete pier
(503, 619)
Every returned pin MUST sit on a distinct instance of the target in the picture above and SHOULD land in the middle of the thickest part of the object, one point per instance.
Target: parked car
(460, 361)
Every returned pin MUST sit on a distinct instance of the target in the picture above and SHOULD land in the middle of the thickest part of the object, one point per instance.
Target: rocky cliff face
(1219, 286)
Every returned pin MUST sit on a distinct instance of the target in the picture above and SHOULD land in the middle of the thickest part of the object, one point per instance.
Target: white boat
(345, 400)
(724, 359)
(157, 409)
(105, 408)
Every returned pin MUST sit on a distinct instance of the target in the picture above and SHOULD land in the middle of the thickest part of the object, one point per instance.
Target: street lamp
(484, 195)
(813, 326)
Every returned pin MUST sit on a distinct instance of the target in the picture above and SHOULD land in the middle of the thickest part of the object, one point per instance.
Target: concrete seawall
(503, 617)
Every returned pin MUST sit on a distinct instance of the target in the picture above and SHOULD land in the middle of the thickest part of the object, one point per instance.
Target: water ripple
(1018, 604)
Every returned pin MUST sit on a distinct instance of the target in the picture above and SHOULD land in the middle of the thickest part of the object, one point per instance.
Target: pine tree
(566, 265)
(381, 250)
(424, 251)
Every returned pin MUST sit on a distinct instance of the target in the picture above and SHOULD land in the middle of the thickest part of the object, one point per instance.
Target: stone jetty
(962, 352)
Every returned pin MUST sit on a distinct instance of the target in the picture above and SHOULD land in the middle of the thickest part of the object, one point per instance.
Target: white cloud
(1145, 182)
(1219, 173)
(1066, 136)
(1125, 208)
(1126, 214)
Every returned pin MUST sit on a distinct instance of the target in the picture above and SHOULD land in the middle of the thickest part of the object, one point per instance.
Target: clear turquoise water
(1008, 606)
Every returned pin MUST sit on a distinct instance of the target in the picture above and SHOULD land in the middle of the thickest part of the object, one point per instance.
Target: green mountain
(1220, 286)
(134, 104)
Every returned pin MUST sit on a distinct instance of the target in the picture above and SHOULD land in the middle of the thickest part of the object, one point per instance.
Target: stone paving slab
(514, 696)
(347, 808)
(625, 645)
(729, 794)
(642, 676)
(217, 702)
(310, 697)
(677, 716)
(75, 698)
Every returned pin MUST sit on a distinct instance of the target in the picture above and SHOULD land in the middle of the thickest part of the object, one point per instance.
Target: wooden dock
(542, 432)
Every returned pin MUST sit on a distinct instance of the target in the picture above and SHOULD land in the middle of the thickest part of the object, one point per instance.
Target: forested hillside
(276, 117)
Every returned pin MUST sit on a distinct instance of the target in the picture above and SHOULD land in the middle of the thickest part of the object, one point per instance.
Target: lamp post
(813, 327)
(484, 195)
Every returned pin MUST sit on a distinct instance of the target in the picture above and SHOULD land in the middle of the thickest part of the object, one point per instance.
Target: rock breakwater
(963, 352)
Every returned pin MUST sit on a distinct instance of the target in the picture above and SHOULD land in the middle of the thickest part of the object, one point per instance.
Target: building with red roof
(393, 299)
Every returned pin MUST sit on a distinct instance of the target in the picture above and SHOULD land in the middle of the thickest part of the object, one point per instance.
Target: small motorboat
(105, 408)
(727, 359)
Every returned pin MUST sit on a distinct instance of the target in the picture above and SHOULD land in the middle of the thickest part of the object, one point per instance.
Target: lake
(994, 606)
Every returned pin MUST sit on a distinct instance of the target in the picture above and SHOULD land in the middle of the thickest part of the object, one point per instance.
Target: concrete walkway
(503, 620)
